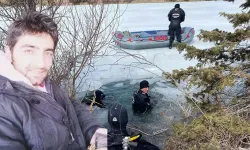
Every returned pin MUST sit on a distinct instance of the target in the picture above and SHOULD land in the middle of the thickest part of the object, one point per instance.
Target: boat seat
(162, 32)
(144, 34)
(127, 33)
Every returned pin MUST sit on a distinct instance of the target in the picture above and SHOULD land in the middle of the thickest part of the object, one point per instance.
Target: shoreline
(66, 2)
(146, 1)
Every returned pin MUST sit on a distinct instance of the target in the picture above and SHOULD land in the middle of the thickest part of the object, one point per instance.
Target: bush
(220, 131)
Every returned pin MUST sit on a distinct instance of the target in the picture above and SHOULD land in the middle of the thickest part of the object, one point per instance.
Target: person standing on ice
(175, 16)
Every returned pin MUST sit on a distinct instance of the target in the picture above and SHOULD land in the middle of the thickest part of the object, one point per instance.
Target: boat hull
(149, 39)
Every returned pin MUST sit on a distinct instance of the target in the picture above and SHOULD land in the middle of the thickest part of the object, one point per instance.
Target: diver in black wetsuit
(141, 99)
(118, 119)
(99, 99)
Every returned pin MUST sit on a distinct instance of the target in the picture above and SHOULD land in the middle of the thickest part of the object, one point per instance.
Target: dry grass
(129, 1)
(219, 131)
(3, 1)
(159, 1)
(149, 1)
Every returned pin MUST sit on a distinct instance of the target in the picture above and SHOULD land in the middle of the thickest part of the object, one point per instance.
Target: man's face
(144, 90)
(32, 56)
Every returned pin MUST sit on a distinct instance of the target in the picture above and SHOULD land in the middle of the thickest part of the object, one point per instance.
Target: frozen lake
(119, 74)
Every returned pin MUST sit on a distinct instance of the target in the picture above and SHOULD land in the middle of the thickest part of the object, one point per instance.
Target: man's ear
(8, 53)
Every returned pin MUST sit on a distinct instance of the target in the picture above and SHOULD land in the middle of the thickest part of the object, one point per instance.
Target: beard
(36, 78)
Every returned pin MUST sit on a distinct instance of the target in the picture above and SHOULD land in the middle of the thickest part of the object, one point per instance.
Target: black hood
(118, 118)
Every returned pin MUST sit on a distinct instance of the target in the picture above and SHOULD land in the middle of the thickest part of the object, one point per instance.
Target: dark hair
(32, 23)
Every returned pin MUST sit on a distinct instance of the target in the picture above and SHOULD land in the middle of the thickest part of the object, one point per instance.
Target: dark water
(156, 125)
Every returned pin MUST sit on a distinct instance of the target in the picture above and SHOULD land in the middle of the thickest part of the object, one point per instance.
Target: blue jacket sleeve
(87, 122)
(11, 138)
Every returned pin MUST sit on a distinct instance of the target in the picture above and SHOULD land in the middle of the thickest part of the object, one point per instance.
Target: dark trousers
(174, 30)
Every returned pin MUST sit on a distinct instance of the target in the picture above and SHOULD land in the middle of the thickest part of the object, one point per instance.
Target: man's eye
(49, 53)
(28, 51)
